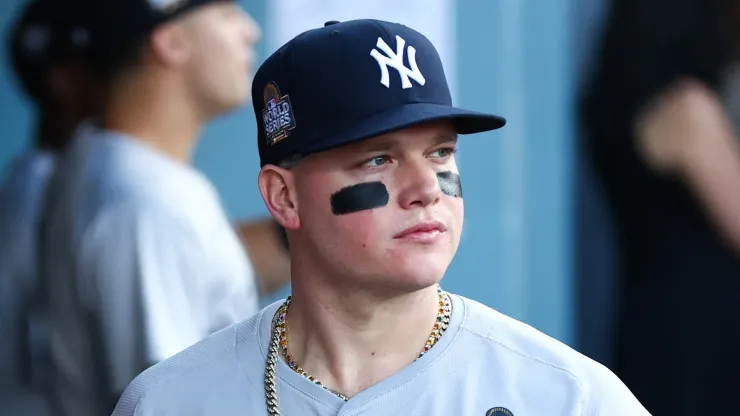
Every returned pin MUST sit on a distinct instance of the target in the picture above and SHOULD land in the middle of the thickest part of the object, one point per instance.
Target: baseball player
(356, 137)
(137, 254)
(46, 46)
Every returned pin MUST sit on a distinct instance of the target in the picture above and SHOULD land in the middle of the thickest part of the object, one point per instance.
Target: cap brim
(409, 115)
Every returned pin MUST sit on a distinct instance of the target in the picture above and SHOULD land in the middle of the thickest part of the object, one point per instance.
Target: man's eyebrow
(380, 145)
(389, 143)
(447, 137)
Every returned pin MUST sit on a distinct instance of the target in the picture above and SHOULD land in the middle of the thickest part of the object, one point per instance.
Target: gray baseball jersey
(484, 364)
(140, 262)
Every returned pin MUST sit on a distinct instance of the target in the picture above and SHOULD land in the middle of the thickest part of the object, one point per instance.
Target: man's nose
(419, 185)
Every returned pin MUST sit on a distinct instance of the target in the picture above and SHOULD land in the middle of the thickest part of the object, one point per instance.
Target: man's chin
(399, 286)
(420, 276)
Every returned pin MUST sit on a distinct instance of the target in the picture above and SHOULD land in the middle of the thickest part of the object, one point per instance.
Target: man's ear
(169, 45)
(278, 191)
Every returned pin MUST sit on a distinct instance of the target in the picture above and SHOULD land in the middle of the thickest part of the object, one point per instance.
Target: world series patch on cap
(349, 81)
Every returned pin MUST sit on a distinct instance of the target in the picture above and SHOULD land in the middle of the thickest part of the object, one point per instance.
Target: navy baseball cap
(45, 33)
(350, 81)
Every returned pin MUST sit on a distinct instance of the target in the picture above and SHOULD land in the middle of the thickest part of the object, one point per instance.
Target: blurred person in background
(139, 258)
(660, 133)
(46, 47)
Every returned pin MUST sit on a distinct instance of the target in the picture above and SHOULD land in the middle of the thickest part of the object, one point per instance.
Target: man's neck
(351, 341)
(154, 113)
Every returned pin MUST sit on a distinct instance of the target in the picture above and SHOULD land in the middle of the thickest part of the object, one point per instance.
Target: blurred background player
(659, 121)
(138, 256)
(47, 48)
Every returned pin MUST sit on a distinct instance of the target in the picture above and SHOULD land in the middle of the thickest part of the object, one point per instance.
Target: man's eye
(444, 152)
(377, 161)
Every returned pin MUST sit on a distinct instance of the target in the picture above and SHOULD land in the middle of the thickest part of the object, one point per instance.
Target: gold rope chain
(279, 346)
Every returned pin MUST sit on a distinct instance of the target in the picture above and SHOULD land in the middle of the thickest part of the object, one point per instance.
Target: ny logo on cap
(395, 61)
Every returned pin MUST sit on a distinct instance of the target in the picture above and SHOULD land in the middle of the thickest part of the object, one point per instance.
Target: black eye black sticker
(360, 197)
(371, 195)
(449, 183)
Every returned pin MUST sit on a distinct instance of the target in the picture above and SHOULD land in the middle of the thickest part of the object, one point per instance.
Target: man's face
(222, 56)
(386, 211)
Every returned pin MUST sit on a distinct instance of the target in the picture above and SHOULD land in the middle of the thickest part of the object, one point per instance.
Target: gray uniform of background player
(142, 262)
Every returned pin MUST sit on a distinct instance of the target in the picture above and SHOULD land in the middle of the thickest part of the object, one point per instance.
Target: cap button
(331, 22)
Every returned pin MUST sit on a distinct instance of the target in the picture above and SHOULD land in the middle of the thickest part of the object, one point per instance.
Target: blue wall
(595, 263)
(14, 111)
(514, 60)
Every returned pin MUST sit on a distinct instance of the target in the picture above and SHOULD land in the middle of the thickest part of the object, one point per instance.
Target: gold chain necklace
(279, 346)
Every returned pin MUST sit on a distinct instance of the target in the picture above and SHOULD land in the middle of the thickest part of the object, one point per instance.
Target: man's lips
(423, 229)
